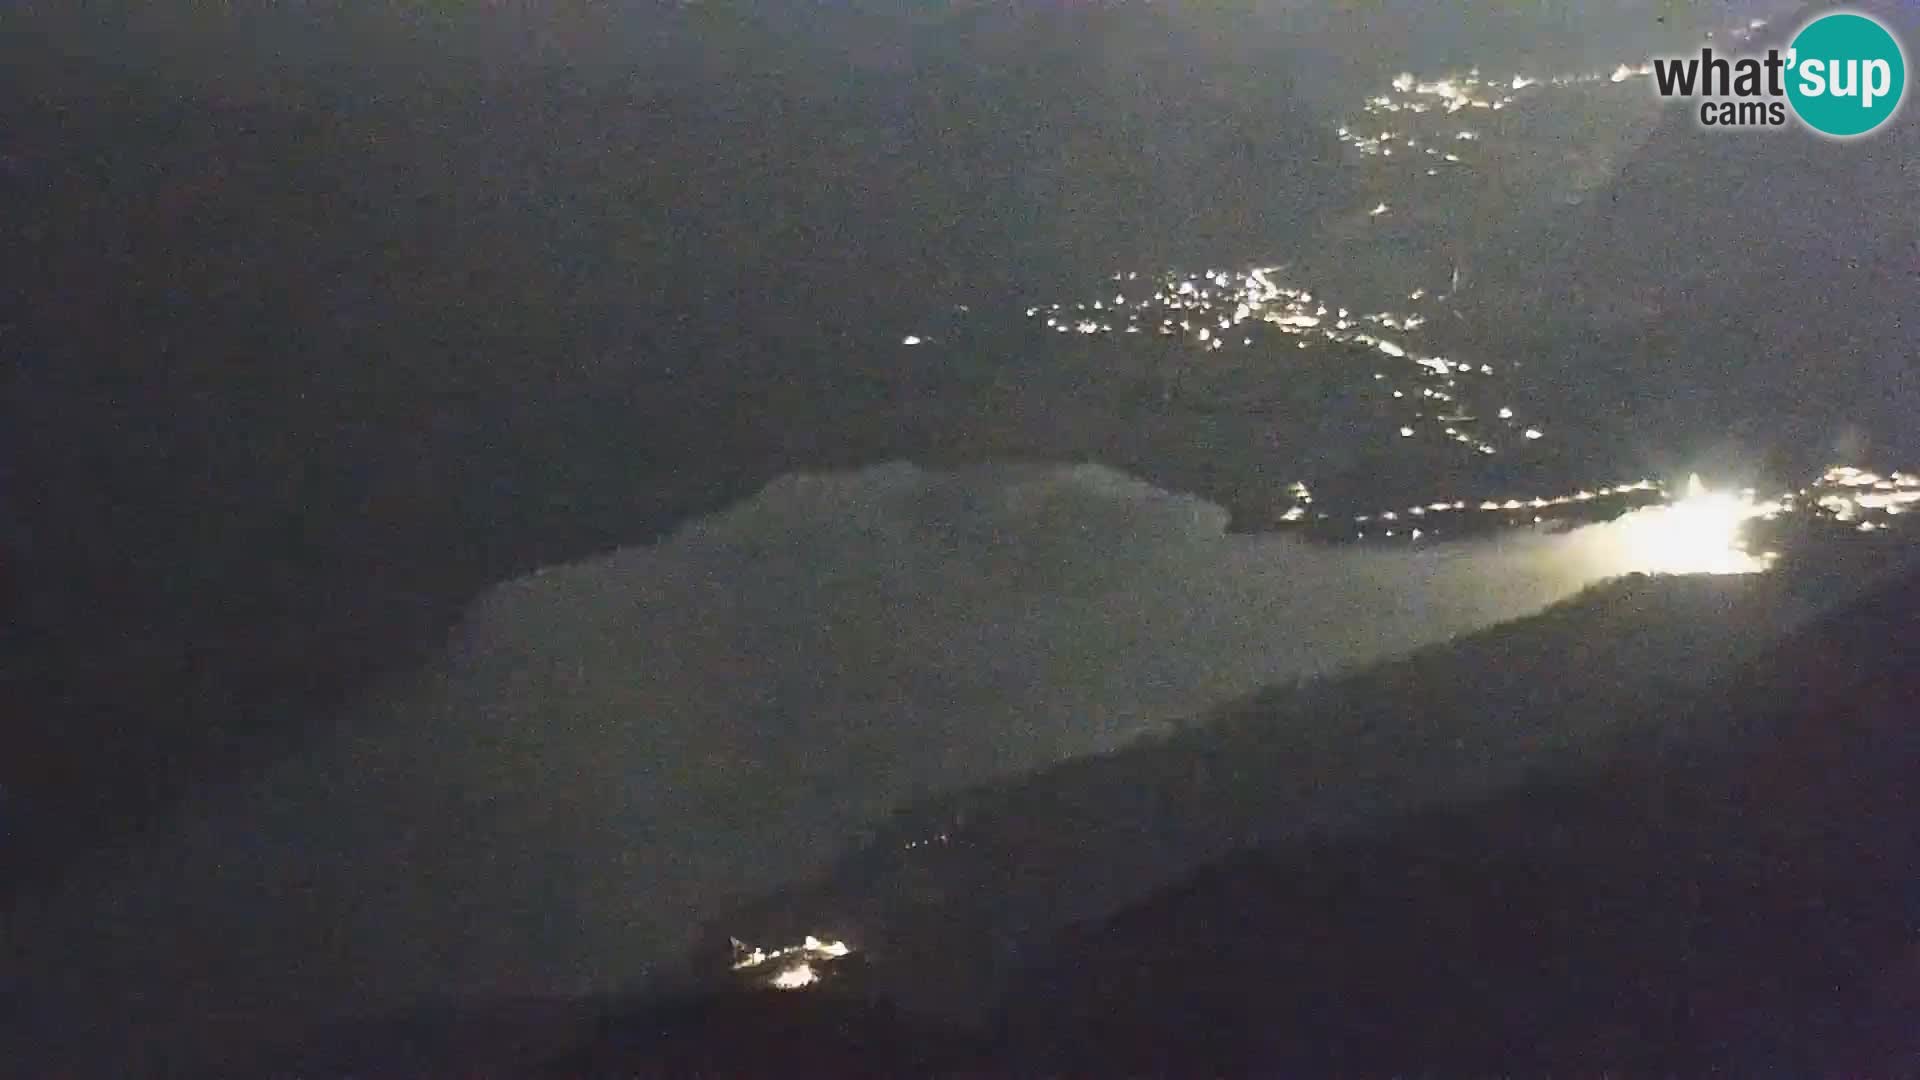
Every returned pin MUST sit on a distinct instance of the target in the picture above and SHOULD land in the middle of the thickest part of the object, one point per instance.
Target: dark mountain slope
(1749, 911)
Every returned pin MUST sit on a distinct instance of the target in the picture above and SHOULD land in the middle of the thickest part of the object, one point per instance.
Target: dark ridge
(1748, 912)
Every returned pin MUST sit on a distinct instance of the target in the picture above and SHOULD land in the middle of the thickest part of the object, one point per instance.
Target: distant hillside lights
(1414, 109)
(795, 967)
(1702, 532)
(1865, 500)
(1216, 310)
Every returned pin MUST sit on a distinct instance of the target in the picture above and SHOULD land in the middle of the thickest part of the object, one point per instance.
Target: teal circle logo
(1845, 74)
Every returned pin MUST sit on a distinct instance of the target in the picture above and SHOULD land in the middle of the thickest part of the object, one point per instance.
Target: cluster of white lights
(1417, 121)
(792, 968)
(1445, 95)
(1386, 128)
(1302, 498)
(1407, 522)
(1697, 531)
(1853, 496)
(1535, 502)
(1218, 310)
(796, 977)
